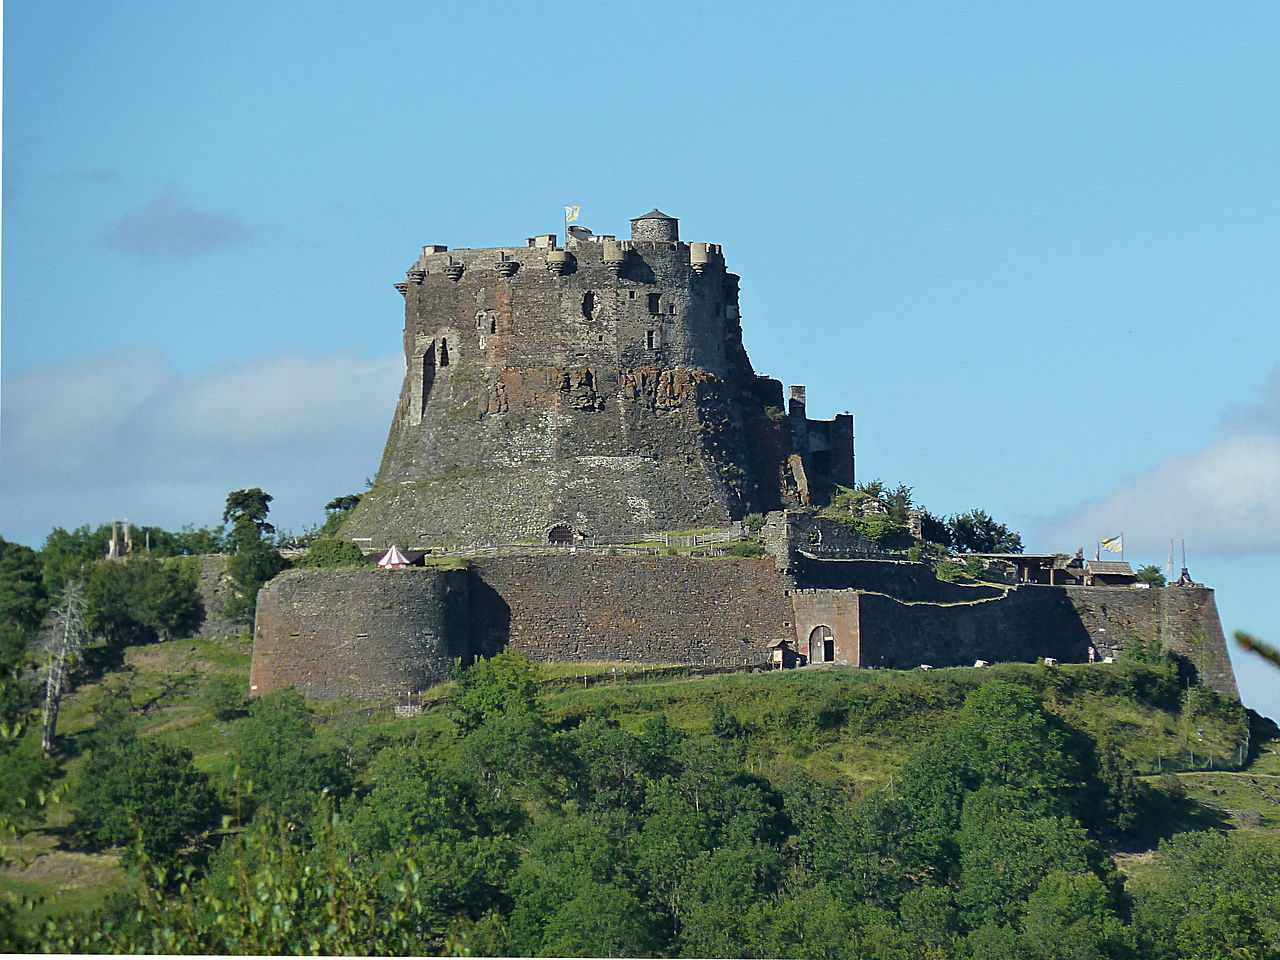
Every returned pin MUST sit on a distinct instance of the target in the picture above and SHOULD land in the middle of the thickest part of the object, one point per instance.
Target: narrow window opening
(631, 294)
(649, 340)
(444, 352)
(588, 305)
(493, 325)
(655, 305)
(671, 308)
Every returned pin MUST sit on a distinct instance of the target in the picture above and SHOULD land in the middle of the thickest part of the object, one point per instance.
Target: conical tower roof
(654, 214)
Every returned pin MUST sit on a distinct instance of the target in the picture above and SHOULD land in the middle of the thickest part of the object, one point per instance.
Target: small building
(1053, 569)
(782, 657)
(1109, 573)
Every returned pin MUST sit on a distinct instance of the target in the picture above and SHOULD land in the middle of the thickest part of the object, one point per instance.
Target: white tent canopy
(393, 559)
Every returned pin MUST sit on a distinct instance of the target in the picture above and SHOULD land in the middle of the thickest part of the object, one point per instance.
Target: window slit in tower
(649, 340)
(655, 305)
(493, 324)
(444, 352)
(588, 305)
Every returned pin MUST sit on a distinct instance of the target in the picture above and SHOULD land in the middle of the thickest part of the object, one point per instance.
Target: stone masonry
(597, 390)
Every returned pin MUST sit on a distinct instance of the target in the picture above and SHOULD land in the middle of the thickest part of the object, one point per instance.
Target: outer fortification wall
(370, 634)
(1183, 619)
(646, 609)
(377, 634)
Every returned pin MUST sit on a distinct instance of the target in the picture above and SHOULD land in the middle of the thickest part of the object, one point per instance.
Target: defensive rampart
(375, 634)
(1183, 619)
(378, 634)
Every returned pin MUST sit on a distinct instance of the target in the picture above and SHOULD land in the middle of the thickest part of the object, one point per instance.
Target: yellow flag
(571, 214)
(1114, 544)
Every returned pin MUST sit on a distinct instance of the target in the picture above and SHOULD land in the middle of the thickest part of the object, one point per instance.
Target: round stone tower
(655, 225)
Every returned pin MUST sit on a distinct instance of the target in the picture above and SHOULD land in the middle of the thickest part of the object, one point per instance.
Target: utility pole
(68, 641)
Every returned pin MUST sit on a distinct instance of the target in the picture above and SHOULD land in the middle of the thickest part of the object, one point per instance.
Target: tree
(283, 898)
(246, 511)
(344, 504)
(23, 599)
(493, 686)
(135, 789)
(282, 770)
(332, 552)
(254, 561)
(68, 556)
(140, 598)
(977, 532)
(1151, 575)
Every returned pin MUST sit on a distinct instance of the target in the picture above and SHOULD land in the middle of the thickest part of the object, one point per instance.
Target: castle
(562, 402)
(597, 391)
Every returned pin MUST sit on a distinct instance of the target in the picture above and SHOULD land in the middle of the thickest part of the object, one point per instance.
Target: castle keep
(598, 390)
(563, 403)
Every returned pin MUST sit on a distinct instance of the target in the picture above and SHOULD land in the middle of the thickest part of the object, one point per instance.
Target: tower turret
(655, 225)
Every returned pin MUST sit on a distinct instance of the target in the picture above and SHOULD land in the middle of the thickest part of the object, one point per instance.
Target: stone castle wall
(1183, 619)
(376, 634)
(645, 609)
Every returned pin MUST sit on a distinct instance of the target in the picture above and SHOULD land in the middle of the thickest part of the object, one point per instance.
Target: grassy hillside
(855, 730)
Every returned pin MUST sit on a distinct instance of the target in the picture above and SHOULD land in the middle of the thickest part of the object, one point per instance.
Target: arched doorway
(561, 533)
(822, 645)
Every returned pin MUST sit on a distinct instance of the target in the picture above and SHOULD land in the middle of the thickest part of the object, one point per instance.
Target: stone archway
(560, 534)
(822, 645)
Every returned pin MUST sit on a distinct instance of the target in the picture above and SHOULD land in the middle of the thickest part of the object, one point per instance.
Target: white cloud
(1224, 498)
(123, 435)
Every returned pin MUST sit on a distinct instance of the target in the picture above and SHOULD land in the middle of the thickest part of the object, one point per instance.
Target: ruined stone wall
(214, 589)
(651, 610)
(370, 634)
(1183, 619)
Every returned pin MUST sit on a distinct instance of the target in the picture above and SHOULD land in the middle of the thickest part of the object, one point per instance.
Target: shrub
(746, 550)
(948, 571)
(331, 552)
(754, 522)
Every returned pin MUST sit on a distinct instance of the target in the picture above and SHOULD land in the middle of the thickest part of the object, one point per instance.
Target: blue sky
(1032, 249)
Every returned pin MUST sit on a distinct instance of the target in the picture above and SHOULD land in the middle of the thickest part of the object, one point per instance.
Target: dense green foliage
(974, 531)
(140, 790)
(506, 824)
(331, 552)
(1151, 575)
(140, 598)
